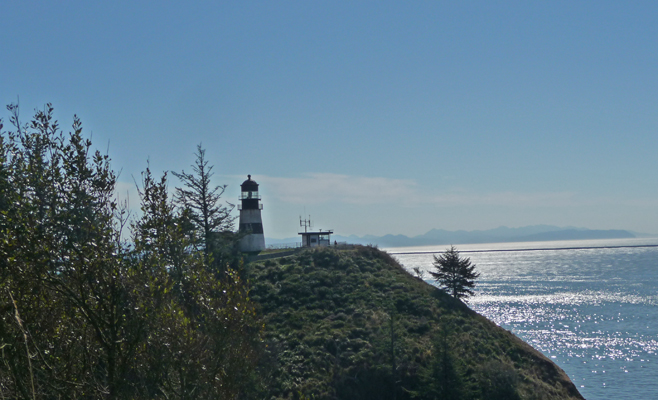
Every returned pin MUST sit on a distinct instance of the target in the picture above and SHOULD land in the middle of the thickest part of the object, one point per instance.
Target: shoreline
(532, 249)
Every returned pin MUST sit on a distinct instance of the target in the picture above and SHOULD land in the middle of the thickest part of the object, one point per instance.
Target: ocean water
(591, 306)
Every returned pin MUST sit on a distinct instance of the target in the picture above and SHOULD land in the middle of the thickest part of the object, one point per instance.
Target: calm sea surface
(591, 309)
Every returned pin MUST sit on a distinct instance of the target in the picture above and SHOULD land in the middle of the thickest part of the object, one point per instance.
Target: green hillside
(353, 324)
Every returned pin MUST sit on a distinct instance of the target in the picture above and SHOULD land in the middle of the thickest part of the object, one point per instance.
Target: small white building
(314, 239)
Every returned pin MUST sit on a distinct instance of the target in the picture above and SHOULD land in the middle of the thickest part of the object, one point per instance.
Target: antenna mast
(306, 223)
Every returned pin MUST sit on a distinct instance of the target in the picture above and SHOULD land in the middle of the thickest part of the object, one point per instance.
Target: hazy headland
(536, 233)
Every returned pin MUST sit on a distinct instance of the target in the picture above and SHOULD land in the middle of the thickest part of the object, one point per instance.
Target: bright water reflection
(593, 311)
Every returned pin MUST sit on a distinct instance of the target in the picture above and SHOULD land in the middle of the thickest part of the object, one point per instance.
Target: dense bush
(87, 313)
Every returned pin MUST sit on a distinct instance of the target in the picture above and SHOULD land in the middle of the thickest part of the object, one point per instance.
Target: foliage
(420, 274)
(210, 221)
(444, 381)
(499, 381)
(353, 324)
(454, 273)
(85, 314)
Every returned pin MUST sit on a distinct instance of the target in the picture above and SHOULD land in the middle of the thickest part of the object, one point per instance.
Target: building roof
(327, 232)
(249, 185)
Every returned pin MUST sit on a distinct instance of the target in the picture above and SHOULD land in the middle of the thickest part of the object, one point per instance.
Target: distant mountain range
(534, 233)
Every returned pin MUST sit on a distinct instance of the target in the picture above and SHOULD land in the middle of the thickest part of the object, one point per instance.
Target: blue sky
(373, 117)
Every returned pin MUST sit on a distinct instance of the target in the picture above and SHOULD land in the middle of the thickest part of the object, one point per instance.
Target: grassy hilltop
(353, 324)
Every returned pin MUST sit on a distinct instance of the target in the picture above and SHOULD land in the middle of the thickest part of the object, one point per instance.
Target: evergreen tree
(209, 220)
(455, 274)
(203, 201)
(445, 381)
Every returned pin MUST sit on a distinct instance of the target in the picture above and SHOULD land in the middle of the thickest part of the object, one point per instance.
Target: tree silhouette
(206, 218)
(202, 200)
(455, 274)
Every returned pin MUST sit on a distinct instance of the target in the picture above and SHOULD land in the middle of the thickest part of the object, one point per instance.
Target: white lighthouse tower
(251, 222)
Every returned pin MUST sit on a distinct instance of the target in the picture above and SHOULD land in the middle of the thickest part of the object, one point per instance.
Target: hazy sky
(372, 116)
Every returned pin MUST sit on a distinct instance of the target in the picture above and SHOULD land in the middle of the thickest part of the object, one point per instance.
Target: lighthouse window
(250, 195)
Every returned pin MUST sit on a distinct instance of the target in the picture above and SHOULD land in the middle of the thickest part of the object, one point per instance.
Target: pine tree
(201, 199)
(455, 274)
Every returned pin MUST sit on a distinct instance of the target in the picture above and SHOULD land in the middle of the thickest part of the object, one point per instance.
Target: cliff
(353, 324)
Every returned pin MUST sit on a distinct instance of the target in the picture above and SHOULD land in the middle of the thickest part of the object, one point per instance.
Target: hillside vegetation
(353, 324)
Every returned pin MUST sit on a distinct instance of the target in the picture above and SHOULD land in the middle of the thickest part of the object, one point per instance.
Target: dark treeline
(95, 304)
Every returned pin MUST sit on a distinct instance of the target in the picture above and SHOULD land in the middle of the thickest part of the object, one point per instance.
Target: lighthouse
(251, 222)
